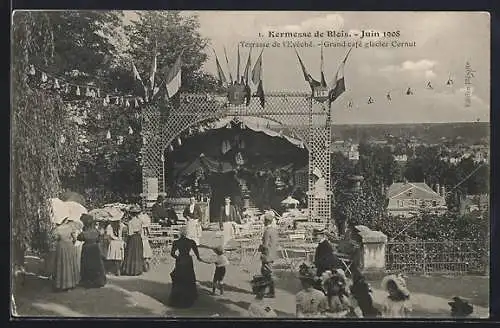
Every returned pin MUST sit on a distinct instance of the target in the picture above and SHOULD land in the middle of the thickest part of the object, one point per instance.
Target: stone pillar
(373, 248)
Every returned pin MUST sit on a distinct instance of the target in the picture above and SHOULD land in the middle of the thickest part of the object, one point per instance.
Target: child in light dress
(397, 304)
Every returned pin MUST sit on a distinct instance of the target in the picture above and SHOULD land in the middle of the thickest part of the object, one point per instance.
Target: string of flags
(86, 92)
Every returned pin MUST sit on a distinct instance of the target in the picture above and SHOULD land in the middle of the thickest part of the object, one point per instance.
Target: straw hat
(134, 209)
(460, 306)
(399, 281)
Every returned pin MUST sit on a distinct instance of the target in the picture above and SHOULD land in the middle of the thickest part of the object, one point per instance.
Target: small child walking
(259, 307)
(397, 304)
(220, 262)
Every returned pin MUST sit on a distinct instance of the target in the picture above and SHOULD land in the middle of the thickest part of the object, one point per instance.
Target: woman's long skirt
(92, 267)
(227, 232)
(66, 273)
(184, 292)
(133, 263)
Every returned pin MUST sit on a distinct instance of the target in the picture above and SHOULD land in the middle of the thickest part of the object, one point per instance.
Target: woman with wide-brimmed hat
(310, 302)
(115, 250)
(66, 270)
(92, 271)
(397, 304)
(133, 262)
(341, 304)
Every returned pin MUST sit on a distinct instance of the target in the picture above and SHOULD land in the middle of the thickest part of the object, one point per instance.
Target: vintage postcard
(285, 164)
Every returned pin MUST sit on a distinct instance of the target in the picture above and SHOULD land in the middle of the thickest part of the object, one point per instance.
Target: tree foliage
(39, 155)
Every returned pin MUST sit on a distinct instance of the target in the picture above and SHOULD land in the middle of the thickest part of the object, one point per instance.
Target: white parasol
(115, 214)
(100, 214)
(290, 201)
(62, 210)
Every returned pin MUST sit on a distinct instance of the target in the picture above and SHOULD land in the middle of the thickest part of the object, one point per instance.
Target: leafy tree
(39, 155)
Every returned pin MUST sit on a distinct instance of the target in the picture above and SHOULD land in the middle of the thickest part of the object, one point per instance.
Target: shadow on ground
(229, 288)
(205, 306)
(37, 298)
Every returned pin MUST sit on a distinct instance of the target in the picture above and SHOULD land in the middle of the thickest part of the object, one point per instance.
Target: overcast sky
(444, 43)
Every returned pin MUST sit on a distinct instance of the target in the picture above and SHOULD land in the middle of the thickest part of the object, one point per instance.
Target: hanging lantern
(56, 84)
(77, 90)
(171, 148)
(62, 139)
(32, 70)
(44, 77)
(107, 99)
(179, 141)
(87, 92)
(127, 103)
(98, 93)
(130, 131)
(108, 135)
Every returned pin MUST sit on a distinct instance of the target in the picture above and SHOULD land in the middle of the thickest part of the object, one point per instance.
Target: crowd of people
(88, 249)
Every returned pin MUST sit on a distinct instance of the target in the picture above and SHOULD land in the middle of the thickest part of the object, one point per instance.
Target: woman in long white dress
(193, 230)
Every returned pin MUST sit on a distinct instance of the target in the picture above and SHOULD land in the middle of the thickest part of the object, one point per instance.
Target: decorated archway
(298, 114)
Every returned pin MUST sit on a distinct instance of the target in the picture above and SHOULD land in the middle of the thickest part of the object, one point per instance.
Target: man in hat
(260, 308)
(158, 211)
(324, 257)
(269, 249)
(460, 308)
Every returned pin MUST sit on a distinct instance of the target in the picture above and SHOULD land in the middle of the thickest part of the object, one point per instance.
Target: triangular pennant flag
(309, 79)
(98, 93)
(104, 102)
(44, 77)
(153, 69)
(136, 104)
(179, 141)
(87, 92)
(323, 80)
(108, 135)
(339, 87)
(247, 67)
(171, 148)
(130, 131)
(66, 90)
(56, 84)
(220, 72)
(174, 77)
(257, 70)
(238, 64)
(77, 90)
(32, 70)
(228, 67)
(127, 103)
(107, 99)
(136, 73)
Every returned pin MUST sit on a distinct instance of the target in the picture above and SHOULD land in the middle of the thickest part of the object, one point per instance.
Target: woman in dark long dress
(92, 271)
(184, 292)
(133, 262)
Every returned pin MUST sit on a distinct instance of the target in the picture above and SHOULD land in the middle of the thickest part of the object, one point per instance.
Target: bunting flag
(312, 82)
(339, 87)
(238, 66)
(228, 67)
(173, 80)
(257, 79)
(220, 72)
(323, 80)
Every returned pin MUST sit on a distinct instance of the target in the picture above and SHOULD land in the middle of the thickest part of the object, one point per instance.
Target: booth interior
(254, 164)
